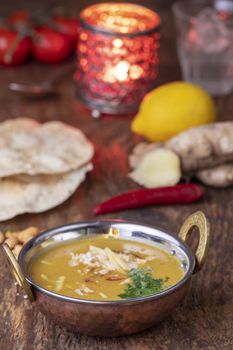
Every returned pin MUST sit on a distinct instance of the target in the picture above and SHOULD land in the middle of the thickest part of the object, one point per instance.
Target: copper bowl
(119, 317)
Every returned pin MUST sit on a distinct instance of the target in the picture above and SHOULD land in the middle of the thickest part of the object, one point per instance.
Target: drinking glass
(205, 43)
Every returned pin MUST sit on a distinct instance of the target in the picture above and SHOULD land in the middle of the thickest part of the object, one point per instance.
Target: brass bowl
(118, 317)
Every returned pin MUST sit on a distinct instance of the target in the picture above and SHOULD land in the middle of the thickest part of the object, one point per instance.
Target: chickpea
(1, 237)
(17, 250)
(27, 239)
(11, 241)
(9, 234)
(24, 235)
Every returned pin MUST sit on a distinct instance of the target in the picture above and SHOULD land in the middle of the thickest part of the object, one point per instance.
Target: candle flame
(135, 72)
(117, 43)
(121, 70)
(118, 72)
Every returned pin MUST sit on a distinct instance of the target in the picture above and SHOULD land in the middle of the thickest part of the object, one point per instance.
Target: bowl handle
(17, 272)
(199, 220)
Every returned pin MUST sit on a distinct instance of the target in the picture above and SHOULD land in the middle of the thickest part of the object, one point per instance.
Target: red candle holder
(117, 56)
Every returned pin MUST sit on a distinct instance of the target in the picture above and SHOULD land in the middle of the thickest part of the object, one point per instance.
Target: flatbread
(28, 147)
(33, 194)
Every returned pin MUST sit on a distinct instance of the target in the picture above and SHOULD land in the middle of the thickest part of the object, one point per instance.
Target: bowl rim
(91, 223)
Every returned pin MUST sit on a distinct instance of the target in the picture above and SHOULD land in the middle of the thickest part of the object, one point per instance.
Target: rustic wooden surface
(204, 320)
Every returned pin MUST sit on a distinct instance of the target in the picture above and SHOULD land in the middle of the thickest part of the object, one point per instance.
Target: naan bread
(28, 147)
(33, 194)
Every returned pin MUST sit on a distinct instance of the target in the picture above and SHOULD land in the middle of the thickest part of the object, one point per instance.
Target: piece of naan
(33, 194)
(28, 147)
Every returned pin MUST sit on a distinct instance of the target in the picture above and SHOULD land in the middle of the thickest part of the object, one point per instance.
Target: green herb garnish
(143, 284)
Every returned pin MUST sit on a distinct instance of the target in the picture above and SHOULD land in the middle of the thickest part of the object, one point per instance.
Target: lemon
(172, 108)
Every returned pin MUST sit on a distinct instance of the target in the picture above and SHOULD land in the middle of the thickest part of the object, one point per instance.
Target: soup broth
(105, 268)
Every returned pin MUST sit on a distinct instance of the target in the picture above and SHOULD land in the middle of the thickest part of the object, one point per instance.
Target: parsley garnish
(143, 284)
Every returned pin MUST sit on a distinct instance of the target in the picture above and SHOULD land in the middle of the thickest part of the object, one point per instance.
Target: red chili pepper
(179, 194)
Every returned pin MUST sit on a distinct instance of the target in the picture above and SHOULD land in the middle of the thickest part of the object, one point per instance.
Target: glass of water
(205, 43)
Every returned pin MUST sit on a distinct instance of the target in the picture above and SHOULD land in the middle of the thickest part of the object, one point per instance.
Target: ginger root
(140, 150)
(203, 147)
(204, 151)
(198, 148)
(220, 176)
(159, 167)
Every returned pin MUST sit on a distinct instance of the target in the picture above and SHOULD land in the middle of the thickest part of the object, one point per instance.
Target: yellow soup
(100, 268)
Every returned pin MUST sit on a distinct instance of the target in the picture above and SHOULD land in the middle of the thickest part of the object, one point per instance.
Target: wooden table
(204, 320)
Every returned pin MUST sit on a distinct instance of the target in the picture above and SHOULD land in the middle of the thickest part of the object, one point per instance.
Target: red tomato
(21, 52)
(49, 46)
(21, 17)
(69, 27)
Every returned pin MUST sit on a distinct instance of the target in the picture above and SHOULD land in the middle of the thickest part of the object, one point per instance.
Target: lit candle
(117, 56)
